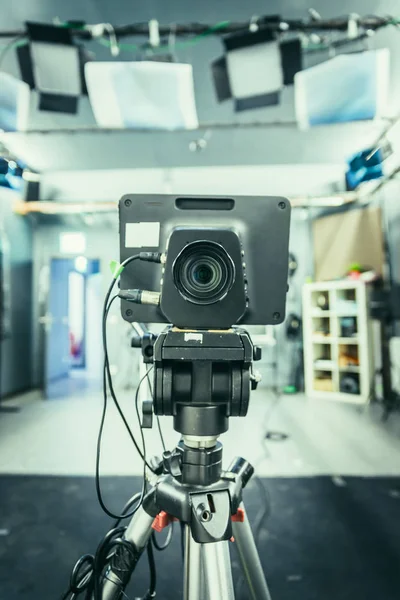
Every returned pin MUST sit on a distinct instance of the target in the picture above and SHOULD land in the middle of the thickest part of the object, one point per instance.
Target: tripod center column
(201, 460)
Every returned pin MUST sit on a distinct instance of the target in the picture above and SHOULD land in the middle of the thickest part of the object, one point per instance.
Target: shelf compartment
(349, 383)
(347, 326)
(321, 326)
(346, 303)
(347, 294)
(322, 351)
(348, 356)
(320, 300)
(323, 382)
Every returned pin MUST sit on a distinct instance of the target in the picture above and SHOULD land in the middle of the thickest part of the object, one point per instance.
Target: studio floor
(331, 473)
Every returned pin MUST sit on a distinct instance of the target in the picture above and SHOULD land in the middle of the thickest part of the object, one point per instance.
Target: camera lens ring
(203, 272)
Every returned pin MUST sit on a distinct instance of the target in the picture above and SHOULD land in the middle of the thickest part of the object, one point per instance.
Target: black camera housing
(181, 300)
(256, 226)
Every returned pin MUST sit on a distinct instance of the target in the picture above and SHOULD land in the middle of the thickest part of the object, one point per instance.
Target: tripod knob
(172, 463)
(257, 353)
(147, 414)
(136, 341)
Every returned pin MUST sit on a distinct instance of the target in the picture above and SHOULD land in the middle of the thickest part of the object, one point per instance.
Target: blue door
(57, 325)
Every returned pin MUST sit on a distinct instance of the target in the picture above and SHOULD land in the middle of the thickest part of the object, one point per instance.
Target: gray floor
(324, 438)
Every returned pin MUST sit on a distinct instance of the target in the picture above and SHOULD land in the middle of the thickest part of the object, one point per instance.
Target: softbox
(349, 87)
(143, 95)
(14, 103)
(52, 64)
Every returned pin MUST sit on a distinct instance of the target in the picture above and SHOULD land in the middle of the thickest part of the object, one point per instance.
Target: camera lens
(203, 272)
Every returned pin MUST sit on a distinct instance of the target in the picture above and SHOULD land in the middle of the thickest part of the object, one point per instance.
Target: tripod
(208, 501)
(201, 378)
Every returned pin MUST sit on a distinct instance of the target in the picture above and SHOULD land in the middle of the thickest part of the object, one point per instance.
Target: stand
(194, 490)
(201, 378)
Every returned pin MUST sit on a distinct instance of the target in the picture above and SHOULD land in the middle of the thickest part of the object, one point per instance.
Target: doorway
(73, 350)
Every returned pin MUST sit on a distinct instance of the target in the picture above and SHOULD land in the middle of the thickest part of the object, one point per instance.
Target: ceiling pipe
(71, 208)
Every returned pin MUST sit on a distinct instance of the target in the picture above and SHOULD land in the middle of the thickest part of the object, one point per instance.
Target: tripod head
(201, 378)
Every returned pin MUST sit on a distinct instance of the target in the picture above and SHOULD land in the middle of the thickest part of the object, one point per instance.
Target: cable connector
(140, 296)
(157, 257)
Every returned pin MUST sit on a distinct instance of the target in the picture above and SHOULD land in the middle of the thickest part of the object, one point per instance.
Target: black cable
(100, 581)
(153, 541)
(168, 539)
(83, 579)
(265, 511)
(87, 575)
(157, 417)
(106, 308)
(258, 525)
(142, 435)
(373, 22)
(76, 585)
(125, 595)
(159, 547)
(98, 453)
(153, 575)
(126, 508)
(107, 378)
(161, 433)
(101, 556)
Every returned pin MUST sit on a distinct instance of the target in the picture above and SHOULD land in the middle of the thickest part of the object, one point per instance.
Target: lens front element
(203, 272)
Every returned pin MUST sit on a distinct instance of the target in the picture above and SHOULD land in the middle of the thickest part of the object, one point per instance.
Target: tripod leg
(193, 569)
(217, 571)
(249, 560)
(138, 533)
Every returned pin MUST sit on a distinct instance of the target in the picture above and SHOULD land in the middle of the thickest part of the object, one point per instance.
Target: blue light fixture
(10, 174)
(365, 166)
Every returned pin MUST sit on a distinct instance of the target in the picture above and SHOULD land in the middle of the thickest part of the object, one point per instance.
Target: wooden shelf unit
(326, 339)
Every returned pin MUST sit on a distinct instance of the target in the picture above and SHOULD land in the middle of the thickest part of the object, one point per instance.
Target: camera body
(226, 259)
(204, 272)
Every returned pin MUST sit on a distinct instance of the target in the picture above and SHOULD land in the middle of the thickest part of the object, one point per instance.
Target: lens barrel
(203, 272)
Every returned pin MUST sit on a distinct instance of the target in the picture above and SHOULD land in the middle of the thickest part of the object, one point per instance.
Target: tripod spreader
(207, 510)
(207, 502)
(211, 513)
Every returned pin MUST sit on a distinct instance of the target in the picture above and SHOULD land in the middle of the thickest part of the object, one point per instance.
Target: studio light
(365, 166)
(10, 174)
(255, 68)
(14, 103)
(142, 95)
(349, 87)
(52, 64)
